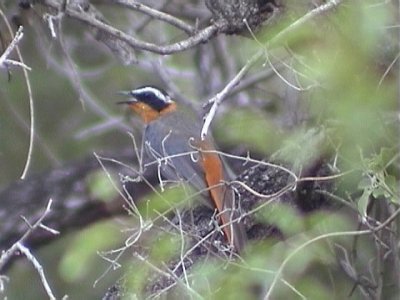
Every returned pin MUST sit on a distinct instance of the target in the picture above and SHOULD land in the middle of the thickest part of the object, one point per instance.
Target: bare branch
(7, 254)
(4, 60)
(28, 86)
(324, 236)
(201, 36)
(38, 268)
(219, 97)
(156, 14)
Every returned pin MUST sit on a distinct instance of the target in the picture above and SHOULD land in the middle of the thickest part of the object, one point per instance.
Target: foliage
(331, 95)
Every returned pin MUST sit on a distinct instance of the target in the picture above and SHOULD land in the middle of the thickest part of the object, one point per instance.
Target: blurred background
(327, 90)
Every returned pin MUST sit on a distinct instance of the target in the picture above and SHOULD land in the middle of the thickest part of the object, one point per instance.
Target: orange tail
(224, 201)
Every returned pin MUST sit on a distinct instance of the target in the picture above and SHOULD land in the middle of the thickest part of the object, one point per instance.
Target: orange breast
(147, 113)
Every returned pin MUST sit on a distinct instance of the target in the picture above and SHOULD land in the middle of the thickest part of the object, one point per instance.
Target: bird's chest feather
(173, 134)
(175, 140)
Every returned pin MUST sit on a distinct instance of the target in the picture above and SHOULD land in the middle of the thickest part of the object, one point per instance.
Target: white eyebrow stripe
(155, 91)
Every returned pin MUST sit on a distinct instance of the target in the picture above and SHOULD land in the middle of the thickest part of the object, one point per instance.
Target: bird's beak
(126, 94)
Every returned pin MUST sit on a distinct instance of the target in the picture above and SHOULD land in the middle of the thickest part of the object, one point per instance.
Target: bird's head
(148, 102)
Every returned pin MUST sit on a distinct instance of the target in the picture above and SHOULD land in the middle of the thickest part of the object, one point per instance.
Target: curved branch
(279, 37)
(156, 14)
(201, 36)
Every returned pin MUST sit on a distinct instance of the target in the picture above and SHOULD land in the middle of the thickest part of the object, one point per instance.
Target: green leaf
(100, 186)
(302, 147)
(167, 247)
(162, 201)
(245, 126)
(362, 202)
(81, 256)
(284, 217)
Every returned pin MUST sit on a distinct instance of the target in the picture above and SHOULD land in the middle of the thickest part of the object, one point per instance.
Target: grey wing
(173, 148)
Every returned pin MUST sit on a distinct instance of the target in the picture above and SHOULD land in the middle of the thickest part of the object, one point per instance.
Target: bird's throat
(148, 114)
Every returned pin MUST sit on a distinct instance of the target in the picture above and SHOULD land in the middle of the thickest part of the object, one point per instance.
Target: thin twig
(304, 19)
(18, 246)
(156, 14)
(325, 236)
(139, 27)
(199, 37)
(219, 97)
(31, 107)
(165, 76)
(4, 60)
(5, 257)
(38, 268)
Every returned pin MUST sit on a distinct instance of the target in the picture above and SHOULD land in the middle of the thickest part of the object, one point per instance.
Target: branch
(29, 88)
(5, 257)
(4, 60)
(324, 236)
(219, 97)
(201, 36)
(38, 268)
(74, 205)
(156, 14)
(19, 245)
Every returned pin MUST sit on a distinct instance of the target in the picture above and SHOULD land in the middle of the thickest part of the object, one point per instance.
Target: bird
(172, 131)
